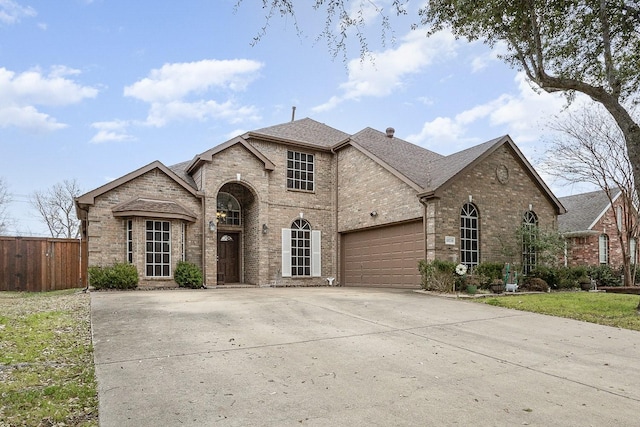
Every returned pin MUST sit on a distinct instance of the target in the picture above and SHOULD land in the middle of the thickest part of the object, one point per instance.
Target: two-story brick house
(301, 202)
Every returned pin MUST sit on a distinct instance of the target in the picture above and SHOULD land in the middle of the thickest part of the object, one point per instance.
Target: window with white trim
(633, 250)
(603, 248)
(619, 217)
(158, 249)
(469, 236)
(300, 171)
(529, 241)
(301, 249)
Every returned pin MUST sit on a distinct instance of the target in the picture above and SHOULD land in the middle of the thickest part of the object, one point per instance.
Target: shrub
(535, 284)
(188, 275)
(437, 275)
(488, 272)
(117, 276)
(605, 275)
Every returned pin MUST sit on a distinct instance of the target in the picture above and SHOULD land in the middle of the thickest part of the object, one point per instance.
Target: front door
(228, 257)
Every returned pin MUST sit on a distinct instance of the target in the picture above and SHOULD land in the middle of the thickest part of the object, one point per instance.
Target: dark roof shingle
(305, 131)
(582, 210)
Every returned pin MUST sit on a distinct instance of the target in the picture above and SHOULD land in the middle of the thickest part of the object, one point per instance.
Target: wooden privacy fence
(34, 264)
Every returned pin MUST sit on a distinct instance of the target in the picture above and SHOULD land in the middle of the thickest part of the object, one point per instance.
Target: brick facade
(501, 207)
(585, 249)
(349, 185)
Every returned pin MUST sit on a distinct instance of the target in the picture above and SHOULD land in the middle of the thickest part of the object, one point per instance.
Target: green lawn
(46, 360)
(618, 310)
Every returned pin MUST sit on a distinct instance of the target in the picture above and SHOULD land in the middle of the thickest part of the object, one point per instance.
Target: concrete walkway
(353, 357)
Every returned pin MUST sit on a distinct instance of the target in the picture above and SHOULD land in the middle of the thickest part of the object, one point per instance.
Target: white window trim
(316, 254)
(603, 249)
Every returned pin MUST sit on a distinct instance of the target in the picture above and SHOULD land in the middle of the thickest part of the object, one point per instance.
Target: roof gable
(304, 132)
(89, 198)
(208, 155)
(446, 170)
(584, 211)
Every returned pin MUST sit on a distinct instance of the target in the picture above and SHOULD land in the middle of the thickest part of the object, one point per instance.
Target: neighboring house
(590, 228)
(300, 202)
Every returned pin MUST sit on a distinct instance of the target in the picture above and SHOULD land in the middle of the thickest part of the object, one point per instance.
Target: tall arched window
(529, 241)
(469, 236)
(301, 250)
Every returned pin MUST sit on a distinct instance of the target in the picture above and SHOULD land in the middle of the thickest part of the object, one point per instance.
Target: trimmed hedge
(188, 275)
(117, 276)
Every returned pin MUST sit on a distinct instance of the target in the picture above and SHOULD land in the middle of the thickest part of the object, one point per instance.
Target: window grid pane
(300, 168)
(158, 257)
(300, 244)
(469, 236)
(529, 238)
(129, 225)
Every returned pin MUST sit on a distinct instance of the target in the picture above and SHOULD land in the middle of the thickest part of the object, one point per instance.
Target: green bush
(437, 275)
(605, 275)
(188, 275)
(487, 272)
(117, 276)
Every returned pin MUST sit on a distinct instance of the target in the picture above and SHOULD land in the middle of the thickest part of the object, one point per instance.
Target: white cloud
(27, 117)
(384, 74)
(181, 91)
(112, 131)
(160, 114)
(522, 115)
(11, 12)
(178, 80)
(21, 93)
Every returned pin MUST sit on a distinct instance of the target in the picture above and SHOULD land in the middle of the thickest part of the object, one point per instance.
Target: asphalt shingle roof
(180, 169)
(445, 168)
(407, 158)
(151, 205)
(305, 131)
(582, 210)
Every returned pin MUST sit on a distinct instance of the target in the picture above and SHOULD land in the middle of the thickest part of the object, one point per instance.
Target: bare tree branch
(56, 206)
(590, 148)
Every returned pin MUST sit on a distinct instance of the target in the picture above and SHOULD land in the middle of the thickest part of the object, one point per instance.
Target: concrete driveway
(353, 357)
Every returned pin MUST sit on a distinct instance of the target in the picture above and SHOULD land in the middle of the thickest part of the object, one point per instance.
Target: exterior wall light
(212, 226)
(264, 228)
(374, 214)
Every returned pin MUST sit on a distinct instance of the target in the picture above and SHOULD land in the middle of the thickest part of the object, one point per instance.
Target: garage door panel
(385, 256)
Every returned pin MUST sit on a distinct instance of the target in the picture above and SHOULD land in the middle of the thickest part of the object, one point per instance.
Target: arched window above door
(228, 211)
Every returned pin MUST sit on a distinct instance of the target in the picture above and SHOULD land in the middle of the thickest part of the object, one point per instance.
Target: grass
(617, 310)
(46, 360)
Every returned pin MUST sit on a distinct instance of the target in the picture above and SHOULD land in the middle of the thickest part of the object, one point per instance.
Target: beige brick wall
(364, 187)
(107, 234)
(501, 208)
(272, 204)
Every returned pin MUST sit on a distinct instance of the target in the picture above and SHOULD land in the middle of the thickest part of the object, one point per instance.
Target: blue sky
(93, 89)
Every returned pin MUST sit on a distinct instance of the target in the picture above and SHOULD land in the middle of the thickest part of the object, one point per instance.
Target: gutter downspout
(338, 252)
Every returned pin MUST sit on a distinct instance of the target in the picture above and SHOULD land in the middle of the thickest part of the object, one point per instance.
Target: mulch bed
(635, 290)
